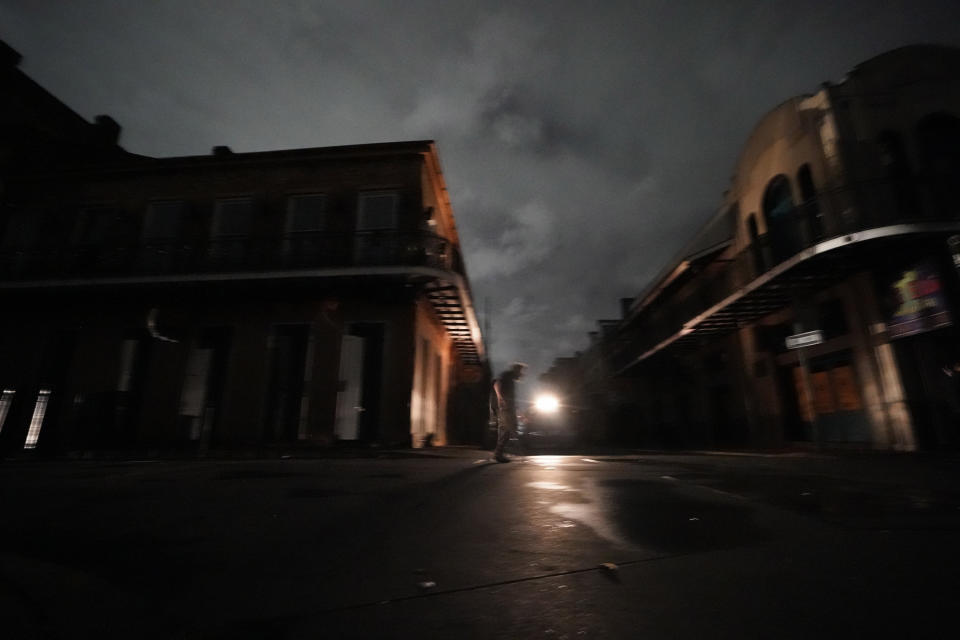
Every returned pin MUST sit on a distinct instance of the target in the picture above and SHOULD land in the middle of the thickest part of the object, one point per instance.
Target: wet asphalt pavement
(448, 544)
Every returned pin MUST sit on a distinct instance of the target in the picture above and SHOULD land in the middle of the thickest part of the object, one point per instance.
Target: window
(232, 217)
(163, 220)
(897, 174)
(777, 199)
(377, 211)
(811, 208)
(304, 244)
(6, 399)
(778, 212)
(94, 225)
(36, 422)
(938, 137)
(305, 213)
(893, 157)
(162, 225)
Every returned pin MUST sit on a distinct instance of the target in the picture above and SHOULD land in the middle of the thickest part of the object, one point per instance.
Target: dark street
(284, 282)
(447, 544)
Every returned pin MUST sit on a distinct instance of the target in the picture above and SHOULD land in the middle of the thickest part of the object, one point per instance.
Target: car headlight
(546, 403)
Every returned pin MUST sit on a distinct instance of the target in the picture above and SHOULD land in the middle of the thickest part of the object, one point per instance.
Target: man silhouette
(505, 388)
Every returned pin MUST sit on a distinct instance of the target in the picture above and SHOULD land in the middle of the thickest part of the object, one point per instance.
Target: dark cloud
(582, 142)
(522, 126)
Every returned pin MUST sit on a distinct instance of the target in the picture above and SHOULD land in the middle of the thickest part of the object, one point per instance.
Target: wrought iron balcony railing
(312, 250)
(834, 213)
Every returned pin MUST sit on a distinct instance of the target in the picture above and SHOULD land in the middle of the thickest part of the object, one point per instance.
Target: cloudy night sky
(582, 142)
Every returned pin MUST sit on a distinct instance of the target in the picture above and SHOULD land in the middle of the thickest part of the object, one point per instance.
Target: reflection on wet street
(573, 499)
(544, 543)
(651, 514)
(693, 509)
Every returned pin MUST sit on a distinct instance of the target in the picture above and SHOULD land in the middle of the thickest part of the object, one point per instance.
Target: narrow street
(448, 544)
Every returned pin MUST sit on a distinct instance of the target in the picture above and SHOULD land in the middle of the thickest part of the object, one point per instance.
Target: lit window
(377, 210)
(6, 399)
(36, 422)
(305, 213)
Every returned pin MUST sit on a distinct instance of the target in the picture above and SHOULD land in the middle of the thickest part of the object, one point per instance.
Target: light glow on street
(548, 462)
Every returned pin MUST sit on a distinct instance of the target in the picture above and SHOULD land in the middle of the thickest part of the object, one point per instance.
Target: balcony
(806, 248)
(300, 255)
(234, 255)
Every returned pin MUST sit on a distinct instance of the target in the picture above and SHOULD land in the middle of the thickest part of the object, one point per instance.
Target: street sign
(805, 339)
(954, 243)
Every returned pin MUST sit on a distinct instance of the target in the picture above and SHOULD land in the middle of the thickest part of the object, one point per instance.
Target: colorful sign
(918, 302)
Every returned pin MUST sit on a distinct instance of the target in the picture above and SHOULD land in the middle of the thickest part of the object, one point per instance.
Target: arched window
(778, 211)
(812, 215)
(777, 199)
(897, 174)
(938, 137)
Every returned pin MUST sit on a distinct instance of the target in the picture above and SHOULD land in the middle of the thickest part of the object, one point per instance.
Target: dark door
(285, 390)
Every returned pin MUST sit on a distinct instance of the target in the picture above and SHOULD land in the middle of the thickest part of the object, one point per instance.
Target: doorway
(360, 390)
(203, 384)
(285, 390)
(371, 389)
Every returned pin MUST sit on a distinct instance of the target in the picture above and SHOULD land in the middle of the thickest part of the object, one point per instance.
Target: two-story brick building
(234, 300)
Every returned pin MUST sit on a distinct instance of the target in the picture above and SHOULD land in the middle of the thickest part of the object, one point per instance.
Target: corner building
(819, 306)
(264, 300)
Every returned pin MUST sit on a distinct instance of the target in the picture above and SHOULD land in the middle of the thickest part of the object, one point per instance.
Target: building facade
(267, 300)
(819, 306)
